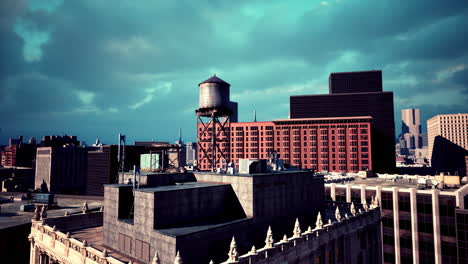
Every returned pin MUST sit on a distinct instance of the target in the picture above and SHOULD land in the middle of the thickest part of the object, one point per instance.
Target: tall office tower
(411, 129)
(447, 134)
(356, 94)
(63, 169)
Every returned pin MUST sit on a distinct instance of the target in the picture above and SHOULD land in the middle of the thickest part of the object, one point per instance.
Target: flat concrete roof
(401, 183)
(323, 118)
(180, 231)
(10, 214)
(262, 174)
(94, 238)
(341, 94)
(180, 186)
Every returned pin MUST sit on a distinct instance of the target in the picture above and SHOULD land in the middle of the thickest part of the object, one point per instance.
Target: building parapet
(305, 243)
(60, 246)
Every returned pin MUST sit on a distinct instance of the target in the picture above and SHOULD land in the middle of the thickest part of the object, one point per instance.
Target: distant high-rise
(182, 151)
(191, 152)
(452, 128)
(356, 94)
(411, 129)
(355, 82)
(59, 141)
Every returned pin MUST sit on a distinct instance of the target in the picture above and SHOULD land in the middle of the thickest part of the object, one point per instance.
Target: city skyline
(93, 70)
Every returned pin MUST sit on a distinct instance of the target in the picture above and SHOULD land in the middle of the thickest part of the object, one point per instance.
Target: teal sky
(96, 68)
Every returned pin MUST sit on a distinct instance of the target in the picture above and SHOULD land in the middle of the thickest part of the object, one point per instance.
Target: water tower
(214, 119)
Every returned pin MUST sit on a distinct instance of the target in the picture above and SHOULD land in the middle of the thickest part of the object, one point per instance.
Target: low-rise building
(197, 217)
(418, 213)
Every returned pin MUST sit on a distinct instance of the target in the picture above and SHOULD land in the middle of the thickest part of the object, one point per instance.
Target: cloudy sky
(94, 68)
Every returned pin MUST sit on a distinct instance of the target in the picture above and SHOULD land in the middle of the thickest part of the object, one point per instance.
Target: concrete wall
(74, 221)
(287, 194)
(164, 178)
(242, 186)
(273, 194)
(196, 206)
(43, 167)
(141, 228)
(213, 244)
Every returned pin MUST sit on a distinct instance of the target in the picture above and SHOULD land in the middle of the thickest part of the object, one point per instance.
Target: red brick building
(21, 155)
(340, 144)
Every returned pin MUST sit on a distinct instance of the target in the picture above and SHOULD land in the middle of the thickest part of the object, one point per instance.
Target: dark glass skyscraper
(356, 94)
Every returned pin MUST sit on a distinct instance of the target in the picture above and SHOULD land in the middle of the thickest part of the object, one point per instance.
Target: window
(142, 250)
(125, 243)
(387, 200)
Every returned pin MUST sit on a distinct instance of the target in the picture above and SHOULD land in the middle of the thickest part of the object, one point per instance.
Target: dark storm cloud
(96, 69)
(461, 78)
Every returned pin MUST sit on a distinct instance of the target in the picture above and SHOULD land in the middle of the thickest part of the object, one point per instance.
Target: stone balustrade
(49, 245)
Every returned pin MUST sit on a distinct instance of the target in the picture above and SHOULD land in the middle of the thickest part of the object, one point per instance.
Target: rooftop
(214, 79)
(401, 181)
(180, 231)
(260, 174)
(179, 186)
(334, 73)
(94, 237)
(341, 94)
(322, 118)
(11, 215)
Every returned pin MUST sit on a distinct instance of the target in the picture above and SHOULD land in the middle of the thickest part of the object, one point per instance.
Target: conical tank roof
(214, 79)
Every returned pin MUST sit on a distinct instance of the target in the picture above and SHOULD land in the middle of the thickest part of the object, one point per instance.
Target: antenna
(255, 115)
(121, 156)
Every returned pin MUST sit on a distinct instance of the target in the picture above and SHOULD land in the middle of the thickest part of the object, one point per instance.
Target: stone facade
(51, 246)
(351, 240)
